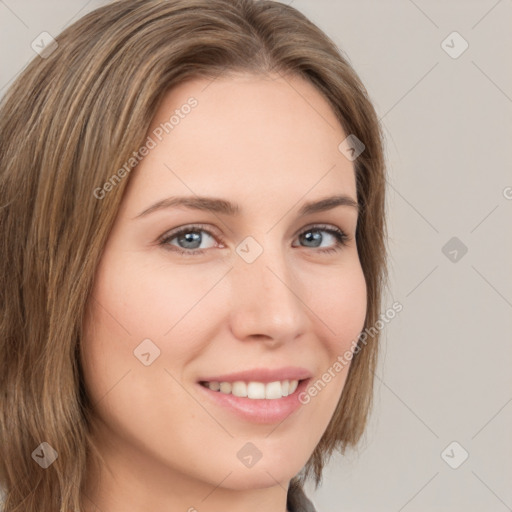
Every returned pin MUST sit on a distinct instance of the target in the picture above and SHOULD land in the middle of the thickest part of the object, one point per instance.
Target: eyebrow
(217, 205)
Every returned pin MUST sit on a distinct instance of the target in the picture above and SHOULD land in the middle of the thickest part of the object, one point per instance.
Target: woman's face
(255, 288)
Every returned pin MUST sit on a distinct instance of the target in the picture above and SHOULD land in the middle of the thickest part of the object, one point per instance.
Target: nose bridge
(265, 297)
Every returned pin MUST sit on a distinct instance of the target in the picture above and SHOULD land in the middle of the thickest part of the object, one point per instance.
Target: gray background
(444, 374)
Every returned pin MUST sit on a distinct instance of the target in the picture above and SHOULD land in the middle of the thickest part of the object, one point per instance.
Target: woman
(193, 237)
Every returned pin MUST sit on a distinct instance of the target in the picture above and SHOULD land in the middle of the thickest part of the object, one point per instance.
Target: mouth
(255, 390)
(255, 401)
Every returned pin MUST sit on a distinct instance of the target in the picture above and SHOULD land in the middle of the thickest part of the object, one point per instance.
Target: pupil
(315, 236)
(190, 238)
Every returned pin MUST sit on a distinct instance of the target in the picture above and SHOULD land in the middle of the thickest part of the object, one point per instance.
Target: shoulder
(297, 500)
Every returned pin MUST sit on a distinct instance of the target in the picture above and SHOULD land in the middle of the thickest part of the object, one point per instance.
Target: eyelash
(341, 239)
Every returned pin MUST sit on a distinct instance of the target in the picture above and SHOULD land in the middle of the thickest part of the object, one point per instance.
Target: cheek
(132, 302)
(340, 302)
(135, 300)
(341, 305)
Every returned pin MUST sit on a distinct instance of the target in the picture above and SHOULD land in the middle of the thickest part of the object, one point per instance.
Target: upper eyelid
(169, 235)
(189, 227)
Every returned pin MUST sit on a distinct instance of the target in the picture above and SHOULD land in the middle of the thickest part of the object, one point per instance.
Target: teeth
(238, 389)
(255, 390)
(214, 386)
(273, 390)
(225, 387)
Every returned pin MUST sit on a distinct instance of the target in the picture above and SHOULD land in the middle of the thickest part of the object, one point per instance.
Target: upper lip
(262, 375)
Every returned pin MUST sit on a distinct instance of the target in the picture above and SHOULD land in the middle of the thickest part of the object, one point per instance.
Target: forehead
(247, 135)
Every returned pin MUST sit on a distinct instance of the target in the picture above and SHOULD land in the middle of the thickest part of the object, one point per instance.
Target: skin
(270, 145)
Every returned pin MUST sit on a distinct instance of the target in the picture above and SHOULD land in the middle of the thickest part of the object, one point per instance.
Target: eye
(313, 238)
(190, 239)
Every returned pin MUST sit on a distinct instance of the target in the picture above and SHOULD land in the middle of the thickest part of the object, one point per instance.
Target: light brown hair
(67, 123)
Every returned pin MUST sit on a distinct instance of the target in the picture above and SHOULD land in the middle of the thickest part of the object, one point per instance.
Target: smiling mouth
(253, 389)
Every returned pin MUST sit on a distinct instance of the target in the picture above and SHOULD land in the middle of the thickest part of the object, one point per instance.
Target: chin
(262, 475)
(257, 479)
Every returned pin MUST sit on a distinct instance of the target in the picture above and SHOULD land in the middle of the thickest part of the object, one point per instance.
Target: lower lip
(265, 411)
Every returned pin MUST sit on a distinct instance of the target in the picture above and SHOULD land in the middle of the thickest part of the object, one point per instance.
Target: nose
(266, 300)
